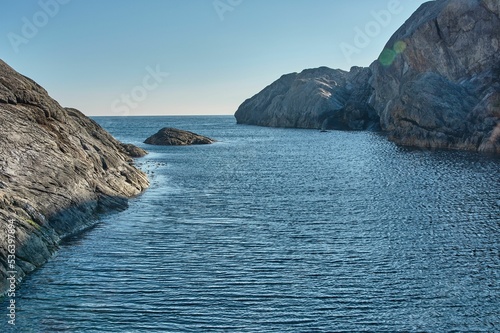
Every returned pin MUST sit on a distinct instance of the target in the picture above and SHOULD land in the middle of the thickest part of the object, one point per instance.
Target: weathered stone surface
(176, 137)
(134, 151)
(437, 83)
(58, 169)
(321, 98)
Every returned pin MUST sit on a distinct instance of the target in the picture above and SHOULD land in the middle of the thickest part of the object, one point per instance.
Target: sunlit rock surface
(320, 98)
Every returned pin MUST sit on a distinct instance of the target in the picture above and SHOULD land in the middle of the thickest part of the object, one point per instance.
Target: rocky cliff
(58, 169)
(316, 98)
(436, 84)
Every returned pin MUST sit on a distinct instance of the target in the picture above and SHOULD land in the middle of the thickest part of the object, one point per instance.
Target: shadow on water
(64, 228)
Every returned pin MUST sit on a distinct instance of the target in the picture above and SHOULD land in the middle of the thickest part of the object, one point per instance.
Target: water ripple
(278, 230)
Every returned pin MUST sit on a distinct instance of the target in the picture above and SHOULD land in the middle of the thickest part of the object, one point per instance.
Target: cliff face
(437, 83)
(316, 98)
(58, 169)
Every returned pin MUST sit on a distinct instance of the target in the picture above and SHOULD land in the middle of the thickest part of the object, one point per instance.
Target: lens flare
(399, 46)
(387, 57)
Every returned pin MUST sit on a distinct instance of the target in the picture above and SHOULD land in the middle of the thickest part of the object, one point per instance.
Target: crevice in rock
(416, 124)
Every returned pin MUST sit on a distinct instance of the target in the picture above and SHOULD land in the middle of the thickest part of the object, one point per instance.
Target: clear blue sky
(88, 54)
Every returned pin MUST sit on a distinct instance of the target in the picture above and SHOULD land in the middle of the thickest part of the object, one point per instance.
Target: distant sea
(281, 230)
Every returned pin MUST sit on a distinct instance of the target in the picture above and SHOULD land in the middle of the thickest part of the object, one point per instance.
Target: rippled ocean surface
(282, 230)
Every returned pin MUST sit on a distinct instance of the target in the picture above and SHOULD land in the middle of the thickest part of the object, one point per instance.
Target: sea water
(281, 230)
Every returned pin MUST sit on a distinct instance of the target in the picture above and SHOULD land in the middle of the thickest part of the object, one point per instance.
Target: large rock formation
(58, 169)
(437, 83)
(176, 137)
(316, 98)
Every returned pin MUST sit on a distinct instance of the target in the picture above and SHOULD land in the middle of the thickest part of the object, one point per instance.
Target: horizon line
(166, 115)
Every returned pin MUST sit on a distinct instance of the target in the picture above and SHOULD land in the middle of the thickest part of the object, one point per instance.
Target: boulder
(176, 137)
(134, 151)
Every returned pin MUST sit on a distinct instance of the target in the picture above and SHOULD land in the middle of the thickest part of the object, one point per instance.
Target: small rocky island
(175, 137)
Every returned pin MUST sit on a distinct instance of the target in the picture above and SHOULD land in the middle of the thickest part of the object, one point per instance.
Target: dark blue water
(279, 230)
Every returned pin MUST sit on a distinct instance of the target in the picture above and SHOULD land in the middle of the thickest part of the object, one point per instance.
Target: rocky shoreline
(436, 84)
(58, 171)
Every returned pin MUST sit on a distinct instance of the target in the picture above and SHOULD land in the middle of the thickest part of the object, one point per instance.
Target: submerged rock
(176, 137)
(58, 168)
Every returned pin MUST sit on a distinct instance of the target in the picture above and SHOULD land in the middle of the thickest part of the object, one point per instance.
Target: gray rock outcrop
(321, 98)
(435, 85)
(176, 137)
(437, 82)
(134, 151)
(58, 169)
